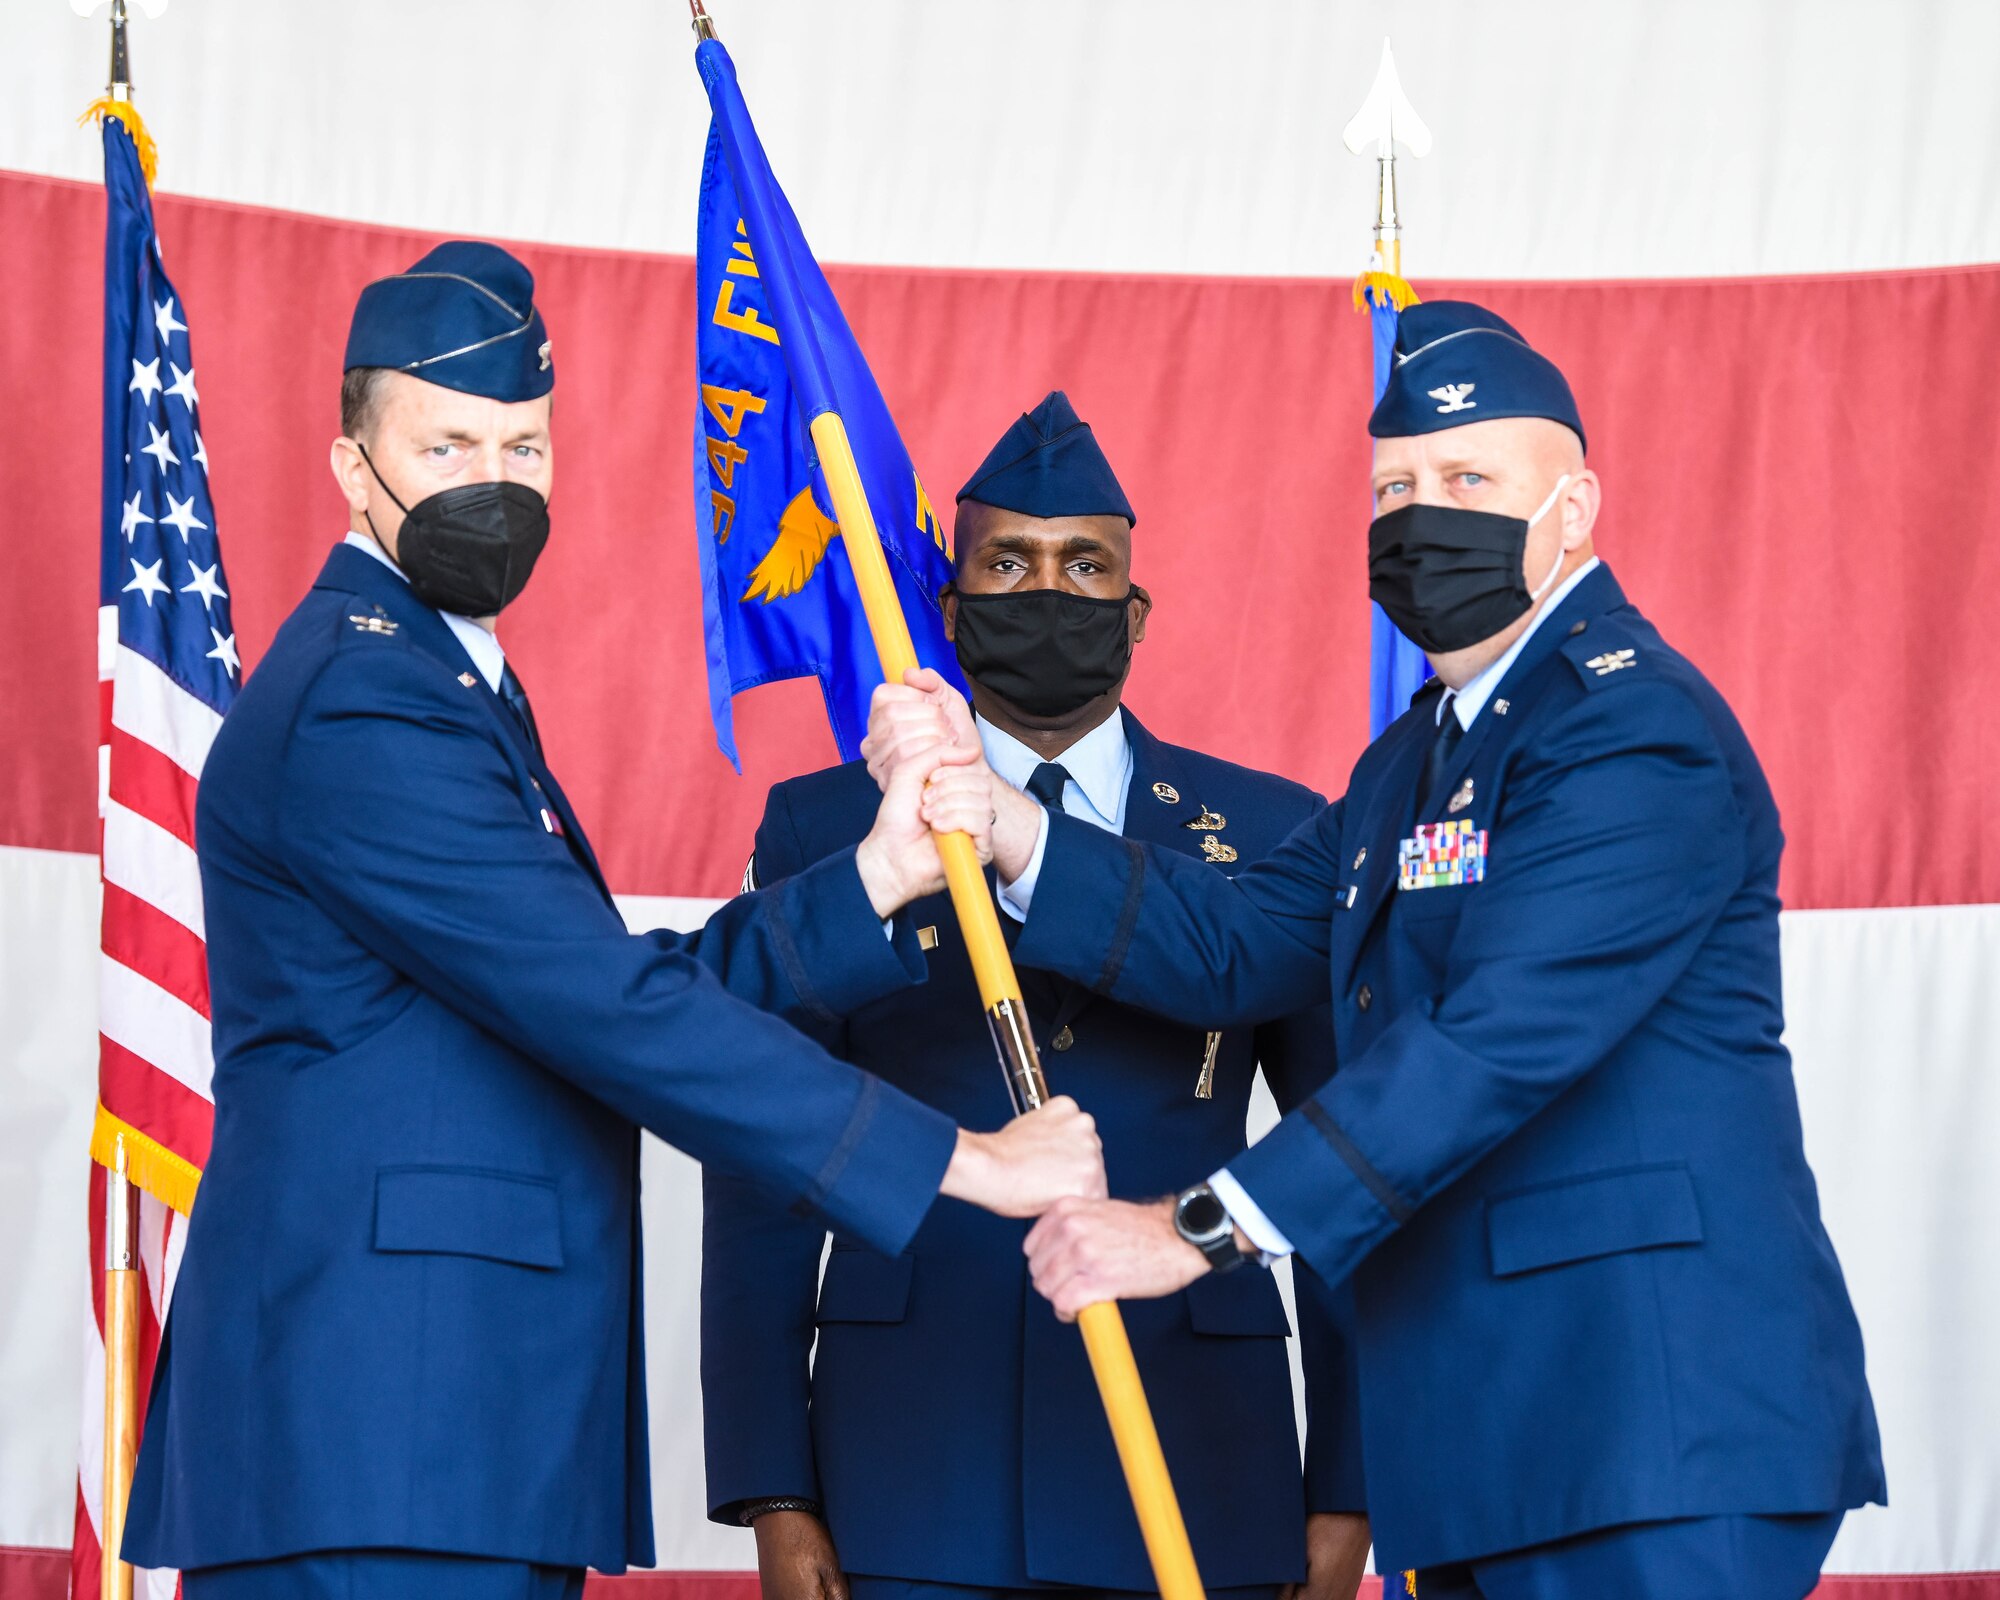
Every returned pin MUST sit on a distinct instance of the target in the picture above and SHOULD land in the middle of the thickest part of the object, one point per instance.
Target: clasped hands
(923, 751)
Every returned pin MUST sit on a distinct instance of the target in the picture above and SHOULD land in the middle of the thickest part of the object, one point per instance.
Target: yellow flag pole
(121, 1370)
(1104, 1337)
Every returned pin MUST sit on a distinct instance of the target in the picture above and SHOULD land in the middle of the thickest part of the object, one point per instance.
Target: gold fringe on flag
(149, 153)
(168, 1178)
(1387, 288)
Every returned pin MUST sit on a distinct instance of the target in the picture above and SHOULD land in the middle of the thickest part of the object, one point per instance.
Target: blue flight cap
(1048, 465)
(1456, 363)
(463, 317)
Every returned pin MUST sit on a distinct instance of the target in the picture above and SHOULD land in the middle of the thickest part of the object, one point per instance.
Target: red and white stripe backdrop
(1791, 427)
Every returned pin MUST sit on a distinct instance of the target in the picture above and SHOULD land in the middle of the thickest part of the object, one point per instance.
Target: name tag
(1442, 855)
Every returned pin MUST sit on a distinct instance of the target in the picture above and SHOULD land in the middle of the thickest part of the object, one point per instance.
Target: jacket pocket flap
(462, 1211)
(1606, 1213)
(861, 1286)
(1245, 1303)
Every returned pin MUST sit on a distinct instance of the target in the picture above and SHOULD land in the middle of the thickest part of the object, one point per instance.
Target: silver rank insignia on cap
(1610, 661)
(1167, 792)
(1208, 822)
(544, 354)
(373, 624)
(1216, 850)
(1461, 799)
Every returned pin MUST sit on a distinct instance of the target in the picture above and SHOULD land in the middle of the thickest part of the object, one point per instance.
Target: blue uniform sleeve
(1171, 935)
(1297, 1056)
(406, 825)
(759, 1295)
(1618, 844)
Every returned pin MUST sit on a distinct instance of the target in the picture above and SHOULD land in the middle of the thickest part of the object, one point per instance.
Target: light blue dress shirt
(1471, 700)
(1100, 771)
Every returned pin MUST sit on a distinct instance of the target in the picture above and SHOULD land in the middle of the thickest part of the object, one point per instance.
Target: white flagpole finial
(89, 8)
(1385, 120)
(1386, 117)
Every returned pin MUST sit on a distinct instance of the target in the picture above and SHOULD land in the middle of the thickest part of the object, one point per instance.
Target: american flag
(167, 671)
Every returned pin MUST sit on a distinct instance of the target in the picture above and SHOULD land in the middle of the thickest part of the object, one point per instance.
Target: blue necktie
(517, 702)
(1046, 784)
(1443, 748)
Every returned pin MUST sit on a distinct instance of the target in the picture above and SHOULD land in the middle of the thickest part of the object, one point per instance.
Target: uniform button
(1365, 998)
(1063, 1039)
(1573, 632)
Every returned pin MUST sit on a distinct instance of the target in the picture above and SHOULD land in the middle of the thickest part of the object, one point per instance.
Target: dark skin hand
(1336, 1557)
(999, 551)
(796, 1559)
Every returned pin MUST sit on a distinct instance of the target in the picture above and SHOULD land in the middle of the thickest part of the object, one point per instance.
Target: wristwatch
(1202, 1220)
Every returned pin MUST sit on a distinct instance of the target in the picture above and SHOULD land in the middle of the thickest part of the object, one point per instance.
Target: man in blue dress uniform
(947, 1441)
(1605, 1346)
(405, 1354)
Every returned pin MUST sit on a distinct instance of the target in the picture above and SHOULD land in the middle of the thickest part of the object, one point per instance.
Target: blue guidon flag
(779, 599)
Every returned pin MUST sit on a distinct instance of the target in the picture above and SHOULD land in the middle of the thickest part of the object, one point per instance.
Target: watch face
(1202, 1215)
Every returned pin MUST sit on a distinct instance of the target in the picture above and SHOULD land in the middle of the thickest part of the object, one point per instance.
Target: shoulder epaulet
(1603, 653)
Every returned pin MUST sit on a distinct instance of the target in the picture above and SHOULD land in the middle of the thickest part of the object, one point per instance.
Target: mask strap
(407, 511)
(373, 532)
(1542, 588)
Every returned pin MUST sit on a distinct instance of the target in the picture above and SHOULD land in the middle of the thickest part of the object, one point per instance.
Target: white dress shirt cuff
(1018, 896)
(1259, 1229)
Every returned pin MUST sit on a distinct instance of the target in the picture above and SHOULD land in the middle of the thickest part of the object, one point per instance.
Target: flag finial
(116, 101)
(1386, 118)
(703, 27)
(120, 85)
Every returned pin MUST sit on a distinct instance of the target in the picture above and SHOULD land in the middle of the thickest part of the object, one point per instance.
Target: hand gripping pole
(1117, 1374)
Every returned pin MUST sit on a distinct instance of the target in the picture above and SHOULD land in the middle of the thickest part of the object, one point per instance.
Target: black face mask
(1044, 650)
(469, 549)
(1449, 577)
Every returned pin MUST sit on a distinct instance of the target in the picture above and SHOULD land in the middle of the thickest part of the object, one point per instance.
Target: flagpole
(1103, 1327)
(121, 1370)
(121, 1211)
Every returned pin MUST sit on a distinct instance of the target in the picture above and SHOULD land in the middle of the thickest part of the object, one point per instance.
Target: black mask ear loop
(373, 532)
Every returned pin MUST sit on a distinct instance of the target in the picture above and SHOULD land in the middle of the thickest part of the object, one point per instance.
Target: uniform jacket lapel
(1161, 805)
(1591, 598)
(1371, 842)
(351, 571)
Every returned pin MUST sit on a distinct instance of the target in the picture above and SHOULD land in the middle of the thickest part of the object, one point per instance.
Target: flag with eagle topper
(779, 598)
